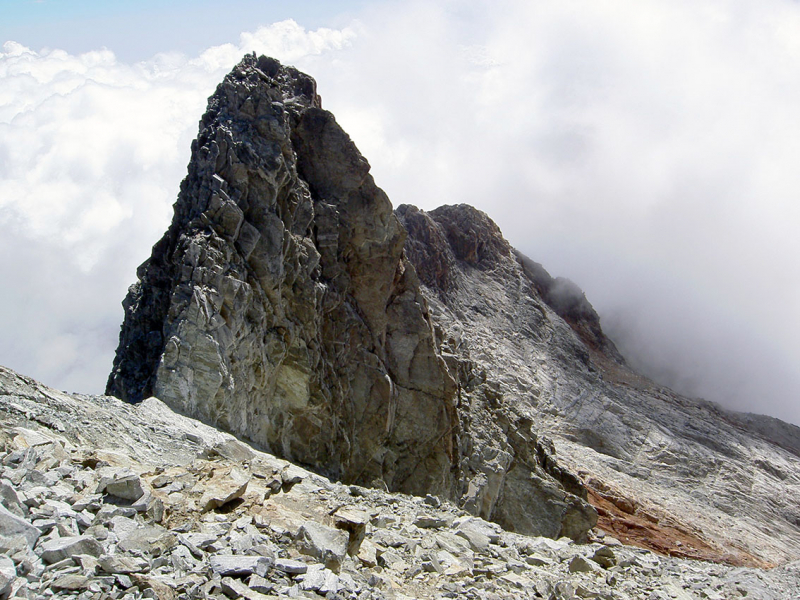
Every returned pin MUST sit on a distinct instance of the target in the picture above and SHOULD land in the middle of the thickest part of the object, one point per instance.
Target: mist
(647, 151)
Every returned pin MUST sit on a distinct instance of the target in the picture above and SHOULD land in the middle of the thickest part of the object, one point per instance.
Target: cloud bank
(646, 150)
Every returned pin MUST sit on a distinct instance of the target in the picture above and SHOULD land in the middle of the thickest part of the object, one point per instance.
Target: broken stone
(233, 588)
(71, 583)
(121, 483)
(8, 574)
(224, 487)
(368, 554)
(579, 564)
(123, 564)
(151, 539)
(325, 543)
(11, 525)
(605, 557)
(354, 522)
(238, 566)
(429, 522)
(292, 567)
(62, 548)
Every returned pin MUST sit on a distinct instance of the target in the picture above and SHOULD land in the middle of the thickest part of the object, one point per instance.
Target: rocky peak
(281, 306)
(278, 305)
(418, 352)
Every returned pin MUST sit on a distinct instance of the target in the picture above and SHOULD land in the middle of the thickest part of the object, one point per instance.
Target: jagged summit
(280, 306)
(418, 351)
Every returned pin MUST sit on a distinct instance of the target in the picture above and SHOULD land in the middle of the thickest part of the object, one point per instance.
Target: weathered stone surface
(287, 565)
(115, 563)
(401, 559)
(8, 573)
(325, 543)
(279, 305)
(223, 487)
(122, 483)
(536, 374)
(11, 525)
(226, 565)
(71, 583)
(58, 549)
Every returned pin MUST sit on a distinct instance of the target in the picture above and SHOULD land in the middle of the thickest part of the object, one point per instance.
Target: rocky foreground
(102, 499)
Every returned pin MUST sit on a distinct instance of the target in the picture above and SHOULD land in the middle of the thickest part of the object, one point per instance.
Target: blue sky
(648, 150)
(136, 30)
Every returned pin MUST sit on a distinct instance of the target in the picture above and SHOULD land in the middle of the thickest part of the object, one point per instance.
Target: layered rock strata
(280, 306)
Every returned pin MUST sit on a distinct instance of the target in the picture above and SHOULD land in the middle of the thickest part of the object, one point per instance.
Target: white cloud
(645, 149)
(92, 151)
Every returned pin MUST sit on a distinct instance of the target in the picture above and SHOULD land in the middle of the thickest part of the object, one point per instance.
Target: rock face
(279, 305)
(674, 474)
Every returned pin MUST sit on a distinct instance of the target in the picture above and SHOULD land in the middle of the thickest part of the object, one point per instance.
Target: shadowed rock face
(280, 306)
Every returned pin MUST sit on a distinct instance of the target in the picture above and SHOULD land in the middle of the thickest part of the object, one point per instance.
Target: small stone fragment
(292, 567)
(8, 573)
(122, 483)
(12, 525)
(579, 564)
(429, 522)
(239, 566)
(325, 543)
(123, 564)
(605, 557)
(354, 522)
(71, 582)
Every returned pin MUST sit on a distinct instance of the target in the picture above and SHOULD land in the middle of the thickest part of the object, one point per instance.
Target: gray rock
(71, 583)
(354, 522)
(224, 487)
(122, 483)
(428, 522)
(325, 543)
(234, 588)
(10, 499)
(61, 548)
(123, 564)
(605, 557)
(238, 565)
(153, 540)
(8, 574)
(579, 564)
(293, 567)
(11, 525)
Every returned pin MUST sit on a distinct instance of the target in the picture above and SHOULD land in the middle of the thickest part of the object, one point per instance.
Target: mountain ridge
(420, 352)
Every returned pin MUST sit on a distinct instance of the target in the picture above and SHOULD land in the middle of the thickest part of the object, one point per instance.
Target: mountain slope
(420, 353)
(103, 499)
(662, 469)
(280, 306)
